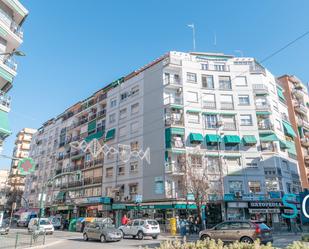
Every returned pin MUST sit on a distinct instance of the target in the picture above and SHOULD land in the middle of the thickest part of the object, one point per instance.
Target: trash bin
(72, 225)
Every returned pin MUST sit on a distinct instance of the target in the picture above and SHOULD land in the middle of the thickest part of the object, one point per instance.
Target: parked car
(101, 231)
(140, 228)
(45, 225)
(243, 231)
(24, 219)
(4, 227)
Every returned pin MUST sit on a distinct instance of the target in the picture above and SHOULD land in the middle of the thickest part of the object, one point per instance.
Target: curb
(43, 246)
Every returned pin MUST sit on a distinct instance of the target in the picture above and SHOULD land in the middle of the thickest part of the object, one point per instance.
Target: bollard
(16, 240)
(44, 238)
(31, 239)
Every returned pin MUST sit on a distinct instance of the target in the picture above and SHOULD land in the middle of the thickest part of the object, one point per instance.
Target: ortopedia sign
(26, 166)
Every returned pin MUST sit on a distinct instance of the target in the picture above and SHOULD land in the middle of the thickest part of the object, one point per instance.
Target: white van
(45, 225)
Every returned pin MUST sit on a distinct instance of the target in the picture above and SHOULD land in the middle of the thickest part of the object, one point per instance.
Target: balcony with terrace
(256, 68)
(172, 80)
(174, 117)
(265, 125)
(174, 100)
(260, 88)
(176, 164)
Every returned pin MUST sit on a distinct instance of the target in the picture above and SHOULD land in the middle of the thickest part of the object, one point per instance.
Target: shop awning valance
(249, 139)
(269, 137)
(110, 134)
(231, 139)
(288, 129)
(196, 137)
(212, 138)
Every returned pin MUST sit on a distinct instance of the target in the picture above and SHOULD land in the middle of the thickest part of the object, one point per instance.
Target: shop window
(254, 186)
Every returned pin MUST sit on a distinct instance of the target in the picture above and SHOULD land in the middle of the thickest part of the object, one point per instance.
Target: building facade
(16, 180)
(12, 15)
(4, 174)
(215, 112)
(296, 94)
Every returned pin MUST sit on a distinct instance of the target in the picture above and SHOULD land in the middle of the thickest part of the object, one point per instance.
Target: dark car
(243, 231)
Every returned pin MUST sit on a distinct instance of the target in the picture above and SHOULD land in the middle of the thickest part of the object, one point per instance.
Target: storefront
(236, 210)
(93, 206)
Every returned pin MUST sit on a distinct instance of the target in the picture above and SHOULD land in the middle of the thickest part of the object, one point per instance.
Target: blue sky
(76, 47)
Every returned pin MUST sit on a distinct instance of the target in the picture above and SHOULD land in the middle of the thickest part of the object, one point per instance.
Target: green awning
(268, 137)
(92, 125)
(288, 129)
(4, 124)
(176, 106)
(232, 156)
(231, 139)
(291, 148)
(210, 113)
(6, 75)
(262, 113)
(97, 135)
(283, 144)
(212, 138)
(194, 111)
(249, 139)
(196, 137)
(110, 134)
(60, 195)
(280, 94)
(175, 131)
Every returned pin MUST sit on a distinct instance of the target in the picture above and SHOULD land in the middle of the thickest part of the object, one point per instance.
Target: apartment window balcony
(14, 27)
(229, 126)
(91, 117)
(302, 123)
(174, 119)
(225, 85)
(101, 113)
(175, 168)
(265, 126)
(299, 94)
(5, 100)
(268, 147)
(177, 142)
(305, 142)
(102, 97)
(262, 107)
(260, 88)
(172, 81)
(227, 105)
(209, 104)
(75, 184)
(256, 68)
(300, 108)
(94, 180)
(173, 100)
(306, 159)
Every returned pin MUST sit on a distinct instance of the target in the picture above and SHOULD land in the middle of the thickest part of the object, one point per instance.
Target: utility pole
(193, 34)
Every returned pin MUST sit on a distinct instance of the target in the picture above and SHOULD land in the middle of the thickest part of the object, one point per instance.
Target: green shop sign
(26, 166)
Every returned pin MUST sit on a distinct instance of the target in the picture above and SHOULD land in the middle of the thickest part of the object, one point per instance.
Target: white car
(140, 228)
(45, 225)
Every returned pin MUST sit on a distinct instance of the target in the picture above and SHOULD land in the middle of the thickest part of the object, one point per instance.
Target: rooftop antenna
(193, 34)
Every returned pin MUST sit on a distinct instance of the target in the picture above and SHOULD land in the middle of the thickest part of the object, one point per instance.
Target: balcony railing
(265, 126)
(209, 104)
(174, 120)
(172, 81)
(300, 108)
(260, 88)
(93, 116)
(93, 163)
(225, 85)
(262, 107)
(231, 126)
(227, 105)
(101, 113)
(173, 100)
(175, 168)
(14, 27)
(94, 180)
(305, 142)
(256, 68)
(5, 100)
(177, 143)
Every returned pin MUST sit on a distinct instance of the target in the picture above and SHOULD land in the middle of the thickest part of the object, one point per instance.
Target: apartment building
(4, 174)
(216, 112)
(296, 94)
(12, 15)
(16, 180)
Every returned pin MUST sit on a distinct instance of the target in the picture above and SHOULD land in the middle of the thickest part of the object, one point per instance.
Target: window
(235, 186)
(244, 99)
(109, 172)
(134, 127)
(133, 188)
(192, 97)
(196, 161)
(208, 81)
(134, 146)
(193, 117)
(121, 170)
(134, 90)
(122, 113)
(254, 186)
(133, 167)
(240, 81)
(252, 162)
(209, 101)
(285, 166)
(122, 131)
(134, 108)
(278, 125)
(113, 102)
(123, 96)
(211, 121)
(272, 184)
(112, 118)
(245, 119)
(204, 66)
(212, 165)
(226, 102)
(225, 83)
(220, 67)
(228, 122)
(191, 77)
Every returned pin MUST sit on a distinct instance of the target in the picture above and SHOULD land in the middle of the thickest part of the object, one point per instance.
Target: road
(70, 240)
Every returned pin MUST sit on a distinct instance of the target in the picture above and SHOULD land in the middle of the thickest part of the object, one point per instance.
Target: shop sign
(265, 204)
(229, 197)
(237, 204)
(93, 200)
(275, 195)
(62, 208)
(253, 197)
(264, 210)
(118, 206)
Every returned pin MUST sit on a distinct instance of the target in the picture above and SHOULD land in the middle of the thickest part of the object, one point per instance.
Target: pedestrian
(298, 222)
(197, 225)
(124, 220)
(183, 228)
(288, 222)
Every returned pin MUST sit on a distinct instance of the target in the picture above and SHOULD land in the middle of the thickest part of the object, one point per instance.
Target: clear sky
(76, 47)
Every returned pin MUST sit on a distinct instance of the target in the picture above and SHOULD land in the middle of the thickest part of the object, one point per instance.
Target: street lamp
(15, 52)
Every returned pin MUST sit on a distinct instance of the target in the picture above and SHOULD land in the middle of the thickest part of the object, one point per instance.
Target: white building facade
(224, 114)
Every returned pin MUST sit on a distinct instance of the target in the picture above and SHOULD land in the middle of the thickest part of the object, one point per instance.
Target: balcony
(227, 105)
(229, 126)
(260, 89)
(94, 180)
(173, 100)
(172, 82)
(303, 123)
(300, 108)
(256, 68)
(75, 184)
(101, 113)
(5, 101)
(92, 117)
(306, 159)
(264, 107)
(265, 126)
(299, 94)
(94, 163)
(11, 24)
(175, 168)
(209, 104)
(305, 142)
(174, 119)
